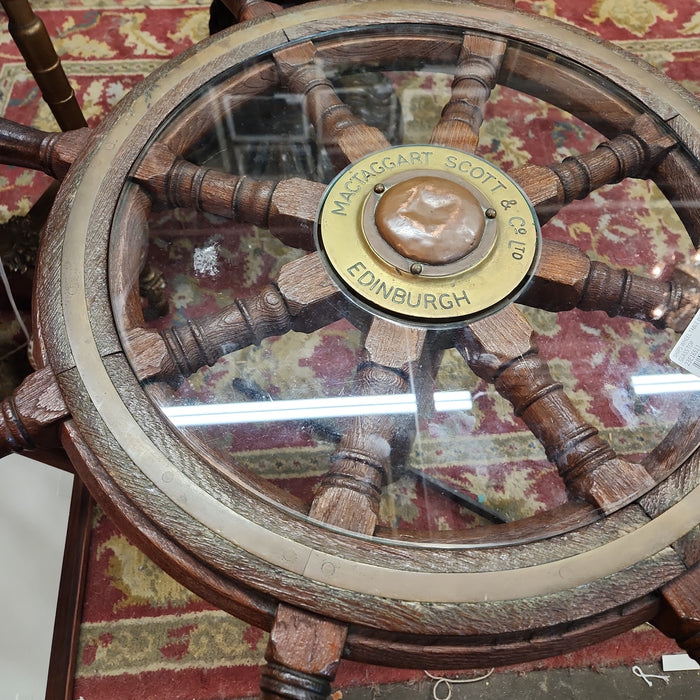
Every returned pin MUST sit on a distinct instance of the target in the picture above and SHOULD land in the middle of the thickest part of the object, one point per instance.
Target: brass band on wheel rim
(86, 368)
(483, 276)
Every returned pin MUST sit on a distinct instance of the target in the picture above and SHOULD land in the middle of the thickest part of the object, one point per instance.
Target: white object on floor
(646, 677)
(34, 507)
(678, 662)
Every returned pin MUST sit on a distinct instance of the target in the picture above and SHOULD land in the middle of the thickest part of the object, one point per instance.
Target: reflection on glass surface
(308, 409)
(279, 407)
(665, 383)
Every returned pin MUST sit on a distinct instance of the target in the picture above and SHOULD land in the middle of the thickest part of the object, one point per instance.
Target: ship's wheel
(376, 322)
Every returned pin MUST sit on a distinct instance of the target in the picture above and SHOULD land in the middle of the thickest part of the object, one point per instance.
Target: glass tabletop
(325, 344)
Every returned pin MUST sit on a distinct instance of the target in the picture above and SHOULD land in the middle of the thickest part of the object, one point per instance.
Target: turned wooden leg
(34, 43)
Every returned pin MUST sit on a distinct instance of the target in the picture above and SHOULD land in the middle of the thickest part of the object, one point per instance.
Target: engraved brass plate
(428, 234)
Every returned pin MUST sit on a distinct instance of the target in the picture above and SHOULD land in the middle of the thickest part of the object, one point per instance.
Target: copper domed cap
(430, 219)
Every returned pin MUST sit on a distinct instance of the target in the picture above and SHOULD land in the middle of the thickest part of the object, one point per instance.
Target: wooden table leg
(64, 647)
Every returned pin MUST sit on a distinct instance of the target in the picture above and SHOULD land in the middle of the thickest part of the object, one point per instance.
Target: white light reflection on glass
(453, 400)
(665, 383)
(310, 409)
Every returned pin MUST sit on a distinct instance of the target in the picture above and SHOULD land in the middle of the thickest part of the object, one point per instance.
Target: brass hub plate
(428, 234)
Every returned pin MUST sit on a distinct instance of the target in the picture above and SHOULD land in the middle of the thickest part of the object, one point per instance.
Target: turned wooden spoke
(500, 349)
(304, 649)
(632, 154)
(477, 69)
(28, 417)
(287, 208)
(52, 153)
(349, 494)
(346, 137)
(303, 298)
(566, 278)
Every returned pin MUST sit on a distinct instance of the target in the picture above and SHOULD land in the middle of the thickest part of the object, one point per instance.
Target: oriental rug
(142, 634)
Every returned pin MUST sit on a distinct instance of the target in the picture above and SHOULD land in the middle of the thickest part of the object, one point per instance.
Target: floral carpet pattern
(143, 632)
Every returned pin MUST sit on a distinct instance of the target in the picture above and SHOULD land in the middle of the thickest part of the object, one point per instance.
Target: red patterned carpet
(143, 635)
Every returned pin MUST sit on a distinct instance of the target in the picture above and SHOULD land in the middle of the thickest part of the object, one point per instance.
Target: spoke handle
(179, 351)
(28, 415)
(302, 299)
(500, 349)
(179, 183)
(569, 442)
(350, 492)
(566, 279)
(619, 292)
(51, 153)
(627, 155)
(287, 208)
(633, 154)
(589, 467)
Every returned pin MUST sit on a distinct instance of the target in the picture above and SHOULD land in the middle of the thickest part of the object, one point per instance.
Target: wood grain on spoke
(349, 494)
(52, 153)
(287, 208)
(348, 497)
(302, 298)
(632, 154)
(566, 278)
(346, 137)
(679, 616)
(500, 349)
(475, 76)
(29, 417)
(302, 656)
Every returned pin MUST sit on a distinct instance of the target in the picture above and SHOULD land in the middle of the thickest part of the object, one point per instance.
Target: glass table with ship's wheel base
(409, 400)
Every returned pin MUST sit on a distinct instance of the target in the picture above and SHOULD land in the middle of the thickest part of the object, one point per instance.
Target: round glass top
(406, 245)
(371, 307)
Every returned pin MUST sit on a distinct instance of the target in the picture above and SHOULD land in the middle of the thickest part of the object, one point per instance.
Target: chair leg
(34, 43)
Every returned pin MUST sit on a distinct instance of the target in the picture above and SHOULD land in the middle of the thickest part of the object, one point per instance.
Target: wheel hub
(430, 220)
(428, 234)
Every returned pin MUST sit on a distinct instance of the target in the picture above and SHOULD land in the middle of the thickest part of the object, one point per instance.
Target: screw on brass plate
(490, 213)
(416, 268)
(379, 189)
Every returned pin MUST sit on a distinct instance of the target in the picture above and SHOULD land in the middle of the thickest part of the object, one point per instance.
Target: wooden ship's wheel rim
(578, 572)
